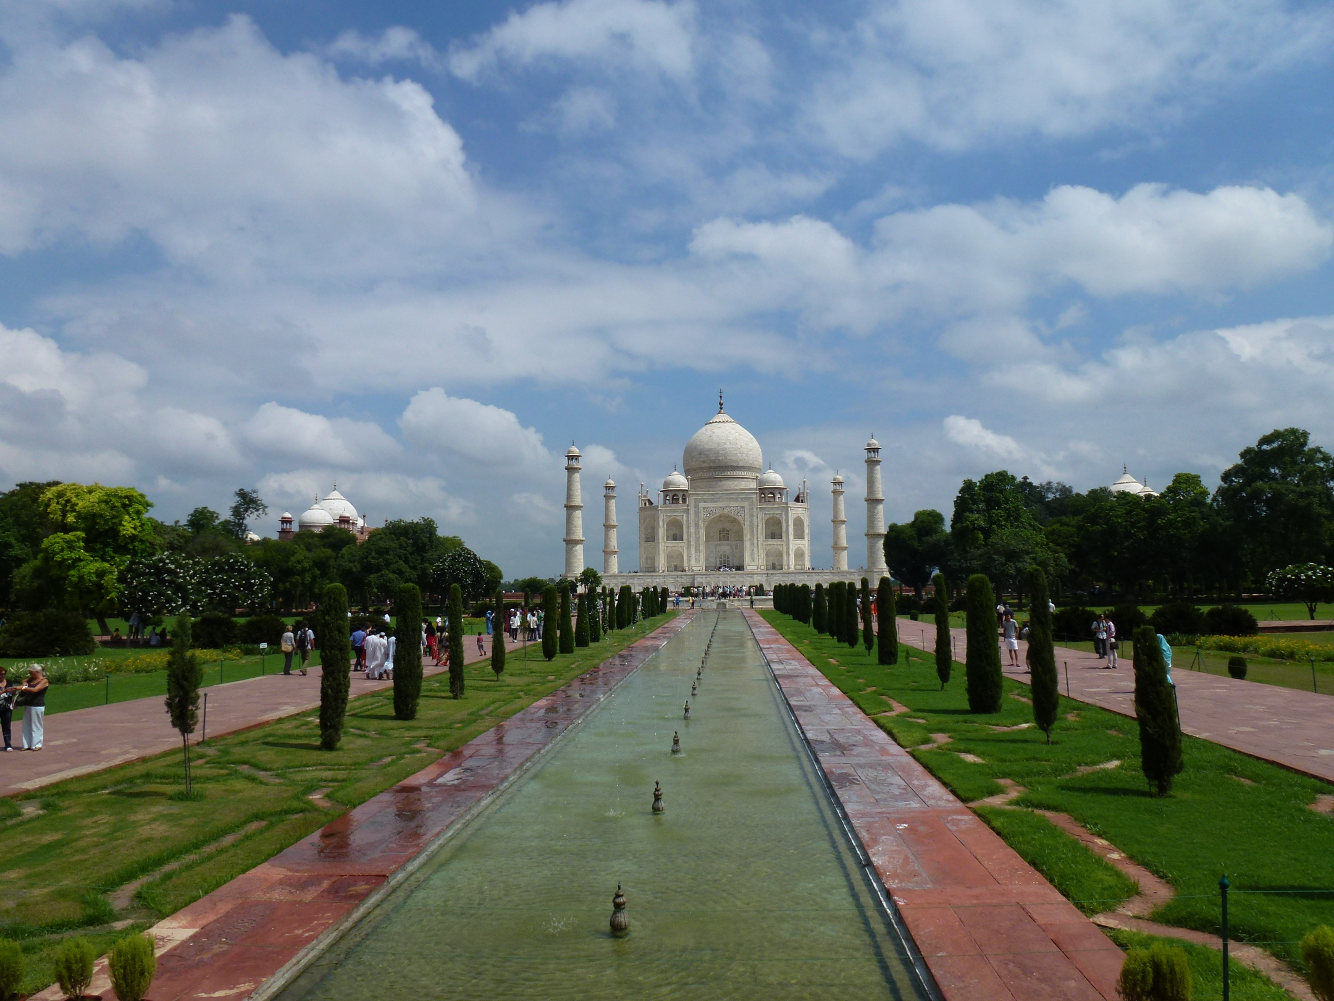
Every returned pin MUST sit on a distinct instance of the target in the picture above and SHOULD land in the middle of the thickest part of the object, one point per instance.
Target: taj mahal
(723, 519)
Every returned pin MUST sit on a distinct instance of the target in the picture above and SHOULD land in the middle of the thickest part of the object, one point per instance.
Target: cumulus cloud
(376, 496)
(394, 44)
(632, 33)
(450, 425)
(295, 436)
(970, 433)
(955, 73)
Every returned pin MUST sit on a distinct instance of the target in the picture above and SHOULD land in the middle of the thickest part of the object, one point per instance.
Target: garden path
(1291, 728)
(88, 740)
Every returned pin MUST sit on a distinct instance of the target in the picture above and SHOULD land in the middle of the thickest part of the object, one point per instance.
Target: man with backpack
(305, 641)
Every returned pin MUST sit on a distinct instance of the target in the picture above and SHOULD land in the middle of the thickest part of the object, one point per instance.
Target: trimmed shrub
(261, 629)
(836, 610)
(215, 630)
(73, 966)
(454, 609)
(806, 604)
(1159, 973)
(625, 601)
(982, 665)
(184, 676)
(851, 628)
(944, 655)
(1044, 682)
(1155, 709)
(1236, 666)
(820, 610)
(50, 633)
(1136, 980)
(1177, 617)
(868, 629)
(1318, 957)
(335, 664)
(11, 969)
(582, 634)
(498, 640)
(550, 612)
(888, 650)
(594, 618)
(1073, 623)
(565, 631)
(408, 651)
(1230, 620)
(133, 964)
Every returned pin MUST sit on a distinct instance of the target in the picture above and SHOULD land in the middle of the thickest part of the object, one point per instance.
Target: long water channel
(746, 887)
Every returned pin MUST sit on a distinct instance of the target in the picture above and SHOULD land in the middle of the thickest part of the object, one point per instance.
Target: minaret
(609, 549)
(875, 515)
(574, 516)
(840, 527)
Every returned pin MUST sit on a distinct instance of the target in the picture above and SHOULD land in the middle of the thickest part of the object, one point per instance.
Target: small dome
(286, 516)
(772, 481)
(873, 444)
(837, 480)
(1127, 484)
(675, 482)
(338, 506)
(572, 451)
(316, 518)
(610, 485)
(722, 448)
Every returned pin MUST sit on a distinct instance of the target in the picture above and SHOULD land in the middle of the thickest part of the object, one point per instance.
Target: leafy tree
(820, 610)
(455, 614)
(1042, 656)
(1309, 583)
(68, 575)
(868, 627)
(529, 586)
(247, 505)
(113, 520)
(1281, 495)
(335, 664)
(941, 606)
(581, 630)
(590, 579)
(888, 651)
(914, 551)
(407, 651)
(565, 634)
(201, 520)
(498, 637)
(460, 566)
(184, 676)
(851, 629)
(982, 662)
(1156, 710)
(550, 613)
(227, 583)
(294, 569)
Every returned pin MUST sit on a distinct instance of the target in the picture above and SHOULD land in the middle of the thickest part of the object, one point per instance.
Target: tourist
(1111, 644)
(359, 648)
(306, 648)
(115, 634)
(8, 692)
(390, 644)
(431, 640)
(32, 698)
(288, 646)
(541, 622)
(532, 626)
(1099, 635)
(480, 649)
(1166, 648)
(1011, 629)
(375, 650)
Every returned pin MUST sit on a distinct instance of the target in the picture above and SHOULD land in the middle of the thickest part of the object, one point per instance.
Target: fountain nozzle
(620, 921)
(687, 709)
(657, 798)
(692, 688)
(676, 743)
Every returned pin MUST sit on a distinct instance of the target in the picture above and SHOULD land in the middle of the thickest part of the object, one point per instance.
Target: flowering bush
(1309, 583)
(1266, 646)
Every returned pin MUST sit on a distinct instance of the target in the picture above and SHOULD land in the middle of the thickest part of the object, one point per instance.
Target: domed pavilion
(333, 511)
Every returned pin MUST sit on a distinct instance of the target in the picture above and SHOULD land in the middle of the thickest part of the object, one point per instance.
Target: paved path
(88, 740)
(987, 924)
(228, 943)
(1283, 725)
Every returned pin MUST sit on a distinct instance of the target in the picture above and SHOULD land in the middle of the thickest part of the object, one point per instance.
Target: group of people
(297, 640)
(374, 651)
(1104, 640)
(30, 696)
(528, 620)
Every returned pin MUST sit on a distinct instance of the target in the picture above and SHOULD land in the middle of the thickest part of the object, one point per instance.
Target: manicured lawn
(1206, 971)
(1228, 814)
(91, 836)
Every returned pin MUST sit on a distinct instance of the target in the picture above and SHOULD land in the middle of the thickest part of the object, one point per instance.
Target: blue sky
(419, 248)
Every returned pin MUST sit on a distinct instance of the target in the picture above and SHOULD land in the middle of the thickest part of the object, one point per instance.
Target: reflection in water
(744, 888)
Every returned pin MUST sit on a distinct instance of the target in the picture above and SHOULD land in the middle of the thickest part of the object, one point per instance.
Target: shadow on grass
(293, 745)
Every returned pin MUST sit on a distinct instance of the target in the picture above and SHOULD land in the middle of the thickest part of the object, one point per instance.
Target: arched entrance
(724, 543)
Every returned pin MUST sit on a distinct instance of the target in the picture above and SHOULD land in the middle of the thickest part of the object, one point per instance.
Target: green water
(745, 888)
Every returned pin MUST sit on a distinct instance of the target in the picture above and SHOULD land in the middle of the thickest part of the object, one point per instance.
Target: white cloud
(632, 33)
(585, 109)
(953, 73)
(970, 433)
(447, 425)
(394, 44)
(377, 495)
(295, 437)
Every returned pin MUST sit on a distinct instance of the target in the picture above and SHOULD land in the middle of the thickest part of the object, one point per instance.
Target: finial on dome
(1124, 470)
(720, 400)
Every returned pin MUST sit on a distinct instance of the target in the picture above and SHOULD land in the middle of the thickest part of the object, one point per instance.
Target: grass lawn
(77, 847)
(1227, 813)
(1206, 970)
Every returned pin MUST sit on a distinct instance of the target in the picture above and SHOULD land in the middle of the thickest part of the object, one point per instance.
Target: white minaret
(875, 515)
(840, 527)
(609, 549)
(574, 516)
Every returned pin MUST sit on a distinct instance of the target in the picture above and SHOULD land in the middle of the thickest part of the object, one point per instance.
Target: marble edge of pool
(228, 944)
(987, 924)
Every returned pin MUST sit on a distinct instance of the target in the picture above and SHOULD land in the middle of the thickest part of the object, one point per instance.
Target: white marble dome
(772, 481)
(315, 518)
(338, 506)
(722, 448)
(675, 482)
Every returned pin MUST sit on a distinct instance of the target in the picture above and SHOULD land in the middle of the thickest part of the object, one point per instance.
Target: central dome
(722, 449)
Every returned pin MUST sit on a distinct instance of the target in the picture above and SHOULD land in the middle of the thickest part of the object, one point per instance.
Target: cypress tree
(455, 641)
(941, 604)
(819, 610)
(1043, 681)
(982, 662)
(550, 613)
(594, 618)
(868, 629)
(836, 610)
(335, 664)
(498, 640)
(582, 635)
(851, 628)
(888, 652)
(624, 612)
(408, 650)
(664, 600)
(184, 676)
(565, 632)
(1156, 711)
(806, 604)
(778, 597)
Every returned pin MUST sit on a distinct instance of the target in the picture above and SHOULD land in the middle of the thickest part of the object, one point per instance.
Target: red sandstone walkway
(227, 944)
(88, 740)
(988, 926)
(1283, 725)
